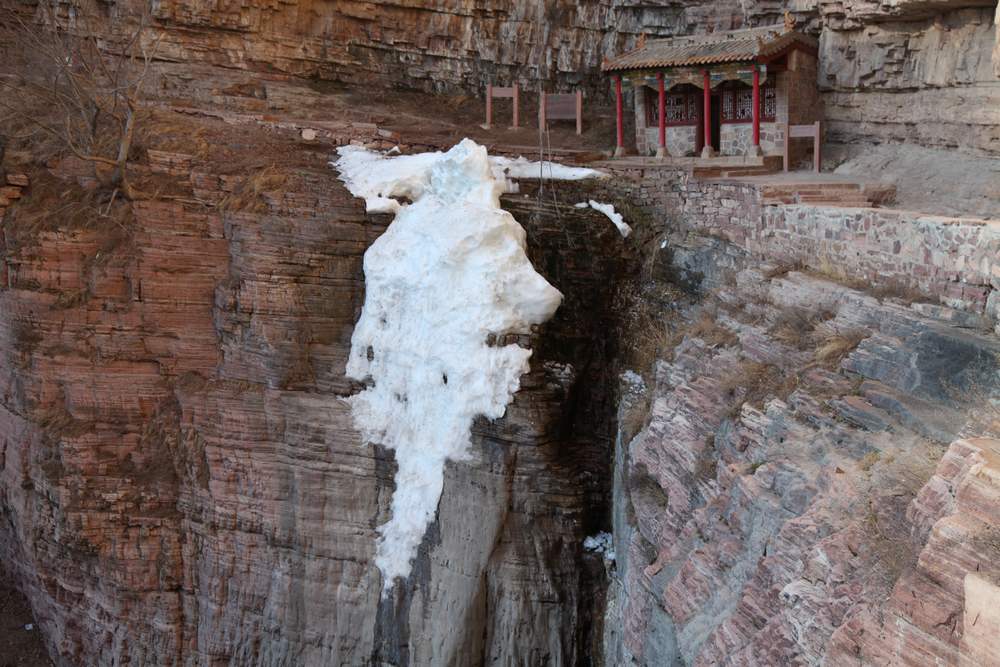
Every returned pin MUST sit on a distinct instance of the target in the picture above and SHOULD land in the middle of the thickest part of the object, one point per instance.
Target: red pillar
(708, 151)
(620, 146)
(662, 152)
(756, 111)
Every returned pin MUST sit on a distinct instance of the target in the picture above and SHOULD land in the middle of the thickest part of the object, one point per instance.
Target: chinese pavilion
(726, 93)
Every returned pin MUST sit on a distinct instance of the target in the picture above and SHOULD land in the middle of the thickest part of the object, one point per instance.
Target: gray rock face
(775, 496)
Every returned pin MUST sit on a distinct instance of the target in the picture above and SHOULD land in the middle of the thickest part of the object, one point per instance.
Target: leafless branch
(82, 86)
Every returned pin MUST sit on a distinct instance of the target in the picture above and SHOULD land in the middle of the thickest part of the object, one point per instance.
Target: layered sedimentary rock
(417, 44)
(914, 72)
(781, 505)
(180, 481)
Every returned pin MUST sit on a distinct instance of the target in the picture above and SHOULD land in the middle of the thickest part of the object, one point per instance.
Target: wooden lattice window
(680, 105)
(769, 100)
(736, 99)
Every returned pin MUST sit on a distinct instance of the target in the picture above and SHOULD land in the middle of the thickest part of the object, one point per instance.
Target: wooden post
(661, 150)
(788, 142)
(579, 112)
(755, 149)
(708, 150)
(517, 104)
(489, 105)
(620, 146)
(817, 150)
(541, 110)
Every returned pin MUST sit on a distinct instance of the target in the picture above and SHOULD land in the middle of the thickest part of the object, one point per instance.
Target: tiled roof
(719, 47)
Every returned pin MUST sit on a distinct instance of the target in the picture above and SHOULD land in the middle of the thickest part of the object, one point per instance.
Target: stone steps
(833, 194)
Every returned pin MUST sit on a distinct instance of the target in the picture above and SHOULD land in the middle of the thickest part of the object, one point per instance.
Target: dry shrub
(835, 348)
(53, 204)
(795, 326)
(891, 549)
(754, 382)
(248, 196)
(708, 329)
(648, 317)
(707, 465)
(782, 269)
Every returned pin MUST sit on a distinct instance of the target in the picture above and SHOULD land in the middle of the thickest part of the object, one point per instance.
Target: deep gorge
(783, 411)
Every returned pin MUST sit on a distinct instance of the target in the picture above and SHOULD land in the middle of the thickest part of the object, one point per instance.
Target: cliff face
(922, 73)
(179, 479)
(780, 505)
(909, 88)
(457, 45)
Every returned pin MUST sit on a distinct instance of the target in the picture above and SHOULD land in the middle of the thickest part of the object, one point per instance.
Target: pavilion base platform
(808, 187)
(720, 166)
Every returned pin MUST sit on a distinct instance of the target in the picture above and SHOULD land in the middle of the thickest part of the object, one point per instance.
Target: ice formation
(449, 272)
(607, 209)
(601, 543)
(524, 168)
(379, 179)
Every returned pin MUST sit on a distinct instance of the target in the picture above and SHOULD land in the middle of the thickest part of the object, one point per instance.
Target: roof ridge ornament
(789, 21)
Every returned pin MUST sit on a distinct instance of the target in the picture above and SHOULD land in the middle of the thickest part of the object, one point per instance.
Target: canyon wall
(920, 73)
(801, 476)
(910, 88)
(180, 482)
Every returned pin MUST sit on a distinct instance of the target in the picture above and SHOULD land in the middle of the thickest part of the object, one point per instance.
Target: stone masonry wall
(953, 260)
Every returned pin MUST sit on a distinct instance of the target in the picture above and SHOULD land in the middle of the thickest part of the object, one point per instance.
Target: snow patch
(448, 273)
(633, 381)
(614, 216)
(521, 167)
(601, 544)
(381, 180)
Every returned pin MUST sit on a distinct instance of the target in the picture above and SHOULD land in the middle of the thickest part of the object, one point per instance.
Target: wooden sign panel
(561, 106)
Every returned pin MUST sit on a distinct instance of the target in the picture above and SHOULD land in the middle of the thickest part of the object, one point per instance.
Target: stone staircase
(848, 194)
(759, 166)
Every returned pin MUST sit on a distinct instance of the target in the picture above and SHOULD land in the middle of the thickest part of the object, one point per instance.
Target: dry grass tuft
(754, 382)
(172, 132)
(641, 482)
(795, 327)
(782, 269)
(897, 290)
(248, 196)
(869, 460)
(834, 349)
(708, 329)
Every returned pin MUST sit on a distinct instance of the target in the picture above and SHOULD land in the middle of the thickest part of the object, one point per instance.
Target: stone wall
(954, 260)
(737, 138)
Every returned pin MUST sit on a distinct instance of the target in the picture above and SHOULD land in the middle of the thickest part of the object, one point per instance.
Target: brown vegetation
(80, 93)
(833, 349)
(248, 196)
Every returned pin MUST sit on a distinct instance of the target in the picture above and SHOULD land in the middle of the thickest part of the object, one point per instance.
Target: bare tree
(79, 84)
